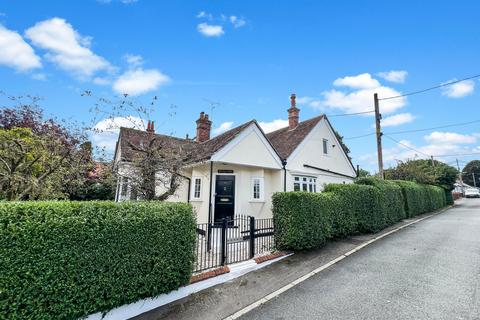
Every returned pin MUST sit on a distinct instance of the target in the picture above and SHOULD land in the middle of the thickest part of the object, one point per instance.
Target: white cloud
(397, 119)
(273, 125)
(205, 15)
(361, 81)
(305, 100)
(459, 89)
(15, 52)
(133, 60)
(358, 97)
(397, 76)
(439, 144)
(139, 81)
(237, 22)
(101, 81)
(210, 30)
(105, 132)
(223, 127)
(39, 76)
(66, 47)
(449, 137)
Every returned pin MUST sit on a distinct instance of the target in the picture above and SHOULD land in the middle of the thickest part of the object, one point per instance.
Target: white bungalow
(238, 171)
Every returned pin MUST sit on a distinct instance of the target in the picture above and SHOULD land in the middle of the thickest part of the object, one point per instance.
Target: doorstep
(198, 283)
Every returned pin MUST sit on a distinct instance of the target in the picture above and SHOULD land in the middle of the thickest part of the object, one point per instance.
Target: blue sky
(248, 56)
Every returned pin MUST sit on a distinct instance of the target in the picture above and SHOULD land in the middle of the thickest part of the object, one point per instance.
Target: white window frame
(261, 191)
(305, 183)
(194, 184)
(325, 146)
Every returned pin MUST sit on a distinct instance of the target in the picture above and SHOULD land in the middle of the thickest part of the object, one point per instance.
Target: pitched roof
(190, 149)
(285, 140)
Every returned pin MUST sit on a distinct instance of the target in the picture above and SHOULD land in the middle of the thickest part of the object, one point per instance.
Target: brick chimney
(151, 126)
(203, 127)
(293, 113)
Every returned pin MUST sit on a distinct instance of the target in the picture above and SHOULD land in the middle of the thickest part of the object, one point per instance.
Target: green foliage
(424, 172)
(391, 199)
(359, 210)
(422, 198)
(301, 219)
(65, 260)
(469, 171)
(362, 173)
(306, 220)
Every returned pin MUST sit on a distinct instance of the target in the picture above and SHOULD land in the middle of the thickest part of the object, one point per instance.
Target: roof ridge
(157, 134)
(319, 117)
(229, 131)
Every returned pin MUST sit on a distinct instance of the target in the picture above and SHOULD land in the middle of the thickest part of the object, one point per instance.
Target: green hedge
(421, 198)
(391, 199)
(302, 231)
(65, 260)
(359, 209)
(306, 220)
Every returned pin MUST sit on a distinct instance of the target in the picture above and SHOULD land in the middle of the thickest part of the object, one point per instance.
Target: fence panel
(232, 241)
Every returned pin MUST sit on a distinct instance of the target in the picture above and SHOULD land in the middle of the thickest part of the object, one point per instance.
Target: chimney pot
(203, 128)
(293, 113)
(150, 127)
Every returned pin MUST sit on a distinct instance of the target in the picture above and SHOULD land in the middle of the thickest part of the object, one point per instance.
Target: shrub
(302, 220)
(65, 260)
(391, 199)
(359, 209)
(306, 220)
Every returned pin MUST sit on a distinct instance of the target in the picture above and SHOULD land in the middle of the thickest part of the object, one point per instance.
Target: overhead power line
(407, 146)
(434, 128)
(457, 155)
(458, 124)
(428, 89)
(349, 114)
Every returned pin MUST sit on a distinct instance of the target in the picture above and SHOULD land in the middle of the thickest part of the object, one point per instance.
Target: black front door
(224, 197)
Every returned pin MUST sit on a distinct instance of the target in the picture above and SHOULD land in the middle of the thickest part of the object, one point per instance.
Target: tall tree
(469, 171)
(38, 156)
(424, 171)
(157, 163)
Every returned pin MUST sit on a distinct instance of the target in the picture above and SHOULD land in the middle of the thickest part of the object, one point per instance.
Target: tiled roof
(285, 140)
(190, 149)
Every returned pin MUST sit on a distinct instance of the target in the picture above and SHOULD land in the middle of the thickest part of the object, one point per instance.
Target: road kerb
(292, 284)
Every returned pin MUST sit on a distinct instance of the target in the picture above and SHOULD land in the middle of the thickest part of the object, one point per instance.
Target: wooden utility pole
(378, 130)
(474, 182)
(460, 176)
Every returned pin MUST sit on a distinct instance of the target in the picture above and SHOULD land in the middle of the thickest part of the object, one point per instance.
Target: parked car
(472, 193)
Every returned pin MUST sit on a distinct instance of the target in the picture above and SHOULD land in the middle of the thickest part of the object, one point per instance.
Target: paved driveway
(429, 270)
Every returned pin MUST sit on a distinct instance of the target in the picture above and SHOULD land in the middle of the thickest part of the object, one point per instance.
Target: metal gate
(232, 240)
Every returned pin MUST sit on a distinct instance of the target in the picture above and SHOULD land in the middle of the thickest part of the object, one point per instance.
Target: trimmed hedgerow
(306, 220)
(302, 220)
(65, 260)
(421, 198)
(359, 209)
(391, 199)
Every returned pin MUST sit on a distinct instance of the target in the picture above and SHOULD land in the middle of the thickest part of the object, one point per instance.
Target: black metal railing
(232, 240)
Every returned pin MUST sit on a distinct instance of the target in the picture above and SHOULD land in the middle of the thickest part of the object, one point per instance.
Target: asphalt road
(429, 270)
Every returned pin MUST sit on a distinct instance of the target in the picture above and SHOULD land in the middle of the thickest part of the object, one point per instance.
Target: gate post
(223, 242)
(252, 237)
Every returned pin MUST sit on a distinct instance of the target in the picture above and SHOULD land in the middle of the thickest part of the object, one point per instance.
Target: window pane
(197, 188)
(304, 187)
(256, 188)
(297, 178)
(124, 186)
(325, 146)
(310, 188)
(296, 187)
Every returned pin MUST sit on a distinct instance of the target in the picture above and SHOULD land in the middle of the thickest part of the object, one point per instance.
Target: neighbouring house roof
(190, 149)
(286, 140)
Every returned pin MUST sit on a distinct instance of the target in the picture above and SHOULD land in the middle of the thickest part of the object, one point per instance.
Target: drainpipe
(210, 194)
(189, 186)
(284, 163)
